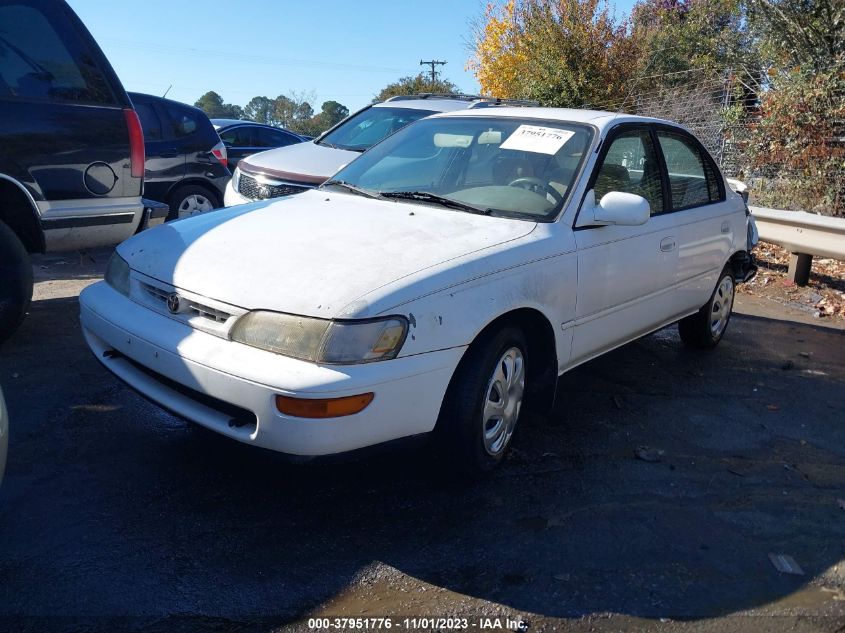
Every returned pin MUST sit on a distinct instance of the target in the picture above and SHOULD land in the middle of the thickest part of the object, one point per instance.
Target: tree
(677, 36)
(260, 110)
(331, 113)
(412, 85)
(809, 33)
(559, 52)
(212, 104)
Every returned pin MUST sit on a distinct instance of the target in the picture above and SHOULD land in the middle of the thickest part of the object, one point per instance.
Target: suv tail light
(220, 154)
(136, 143)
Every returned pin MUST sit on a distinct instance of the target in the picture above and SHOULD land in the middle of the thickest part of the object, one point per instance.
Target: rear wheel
(191, 200)
(705, 328)
(15, 281)
(483, 402)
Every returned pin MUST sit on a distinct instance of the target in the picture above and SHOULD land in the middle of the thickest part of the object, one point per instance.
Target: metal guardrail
(804, 235)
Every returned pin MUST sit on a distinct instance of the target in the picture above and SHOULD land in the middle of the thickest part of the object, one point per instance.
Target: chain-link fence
(783, 135)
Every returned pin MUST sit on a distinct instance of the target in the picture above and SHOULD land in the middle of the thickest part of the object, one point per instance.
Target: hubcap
(503, 400)
(194, 204)
(720, 312)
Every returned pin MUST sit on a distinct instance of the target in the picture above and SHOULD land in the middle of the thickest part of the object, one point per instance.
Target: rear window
(239, 136)
(42, 57)
(273, 138)
(150, 123)
(183, 122)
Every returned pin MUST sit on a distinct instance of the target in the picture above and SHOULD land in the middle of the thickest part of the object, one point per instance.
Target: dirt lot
(116, 516)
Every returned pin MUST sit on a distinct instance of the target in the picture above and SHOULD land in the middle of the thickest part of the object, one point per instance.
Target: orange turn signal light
(323, 407)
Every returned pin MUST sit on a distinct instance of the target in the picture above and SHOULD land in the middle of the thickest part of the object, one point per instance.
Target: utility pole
(432, 63)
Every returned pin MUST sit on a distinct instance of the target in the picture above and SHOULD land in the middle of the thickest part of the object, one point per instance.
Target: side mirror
(616, 207)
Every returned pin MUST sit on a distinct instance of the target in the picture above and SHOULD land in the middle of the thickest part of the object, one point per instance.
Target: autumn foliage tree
(567, 53)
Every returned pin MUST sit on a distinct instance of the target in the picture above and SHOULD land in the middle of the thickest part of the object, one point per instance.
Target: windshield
(523, 168)
(363, 130)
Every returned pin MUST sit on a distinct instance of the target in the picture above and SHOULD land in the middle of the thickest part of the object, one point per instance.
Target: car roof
(599, 118)
(227, 122)
(436, 105)
(177, 104)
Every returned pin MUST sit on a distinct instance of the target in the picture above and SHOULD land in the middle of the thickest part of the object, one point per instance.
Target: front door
(625, 273)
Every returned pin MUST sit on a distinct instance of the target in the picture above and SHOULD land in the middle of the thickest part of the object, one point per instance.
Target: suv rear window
(184, 122)
(42, 57)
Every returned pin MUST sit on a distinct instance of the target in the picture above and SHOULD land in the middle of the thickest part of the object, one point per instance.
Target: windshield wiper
(353, 188)
(426, 196)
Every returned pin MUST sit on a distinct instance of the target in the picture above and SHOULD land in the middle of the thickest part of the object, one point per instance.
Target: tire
(473, 440)
(190, 200)
(705, 328)
(15, 281)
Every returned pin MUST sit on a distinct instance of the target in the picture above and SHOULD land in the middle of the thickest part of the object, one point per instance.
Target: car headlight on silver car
(322, 340)
(117, 274)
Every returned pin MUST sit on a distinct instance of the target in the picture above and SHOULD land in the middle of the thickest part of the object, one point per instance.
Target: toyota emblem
(173, 303)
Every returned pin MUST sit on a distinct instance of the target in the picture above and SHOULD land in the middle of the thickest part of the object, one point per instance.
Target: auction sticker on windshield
(535, 138)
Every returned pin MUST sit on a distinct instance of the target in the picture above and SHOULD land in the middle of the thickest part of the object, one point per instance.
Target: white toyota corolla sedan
(439, 283)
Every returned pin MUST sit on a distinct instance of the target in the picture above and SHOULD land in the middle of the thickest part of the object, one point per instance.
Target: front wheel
(483, 402)
(705, 328)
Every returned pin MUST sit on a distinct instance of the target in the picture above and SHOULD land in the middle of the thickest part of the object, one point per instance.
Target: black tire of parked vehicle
(15, 282)
(697, 330)
(180, 194)
(461, 425)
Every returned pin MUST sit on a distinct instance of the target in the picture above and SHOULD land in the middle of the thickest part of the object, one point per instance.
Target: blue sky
(346, 51)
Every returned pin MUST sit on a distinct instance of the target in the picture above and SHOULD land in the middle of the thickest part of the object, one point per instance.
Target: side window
(692, 179)
(183, 122)
(240, 136)
(631, 166)
(150, 123)
(273, 138)
(42, 57)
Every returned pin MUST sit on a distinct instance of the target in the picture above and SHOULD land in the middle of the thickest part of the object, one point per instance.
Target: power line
(433, 63)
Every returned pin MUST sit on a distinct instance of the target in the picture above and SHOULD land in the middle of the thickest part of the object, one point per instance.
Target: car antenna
(166, 91)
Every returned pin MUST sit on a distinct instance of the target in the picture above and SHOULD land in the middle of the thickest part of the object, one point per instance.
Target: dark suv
(186, 160)
(71, 147)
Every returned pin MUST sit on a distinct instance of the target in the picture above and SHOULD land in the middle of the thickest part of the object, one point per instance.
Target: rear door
(706, 221)
(165, 163)
(195, 137)
(63, 130)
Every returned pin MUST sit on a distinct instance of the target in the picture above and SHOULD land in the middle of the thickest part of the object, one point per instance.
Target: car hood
(306, 162)
(313, 254)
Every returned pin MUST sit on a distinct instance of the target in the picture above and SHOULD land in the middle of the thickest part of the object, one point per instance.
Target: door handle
(667, 244)
(726, 227)
(169, 154)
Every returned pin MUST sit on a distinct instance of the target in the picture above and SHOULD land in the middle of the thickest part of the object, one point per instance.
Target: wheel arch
(195, 182)
(20, 213)
(540, 337)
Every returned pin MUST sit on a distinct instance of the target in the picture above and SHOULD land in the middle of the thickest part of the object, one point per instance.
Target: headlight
(236, 179)
(117, 274)
(320, 340)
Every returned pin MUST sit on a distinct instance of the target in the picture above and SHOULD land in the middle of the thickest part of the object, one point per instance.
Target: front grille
(251, 188)
(193, 308)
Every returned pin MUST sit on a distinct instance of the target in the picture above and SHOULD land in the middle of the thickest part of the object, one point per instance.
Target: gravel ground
(649, 499)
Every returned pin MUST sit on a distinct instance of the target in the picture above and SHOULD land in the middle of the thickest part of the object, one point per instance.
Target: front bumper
(232, 197)
(231, 388)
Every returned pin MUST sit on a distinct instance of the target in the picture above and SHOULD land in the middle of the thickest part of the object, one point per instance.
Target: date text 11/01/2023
(485, 623)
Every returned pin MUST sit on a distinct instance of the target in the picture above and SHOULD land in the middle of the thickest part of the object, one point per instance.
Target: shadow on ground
(112, 509)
